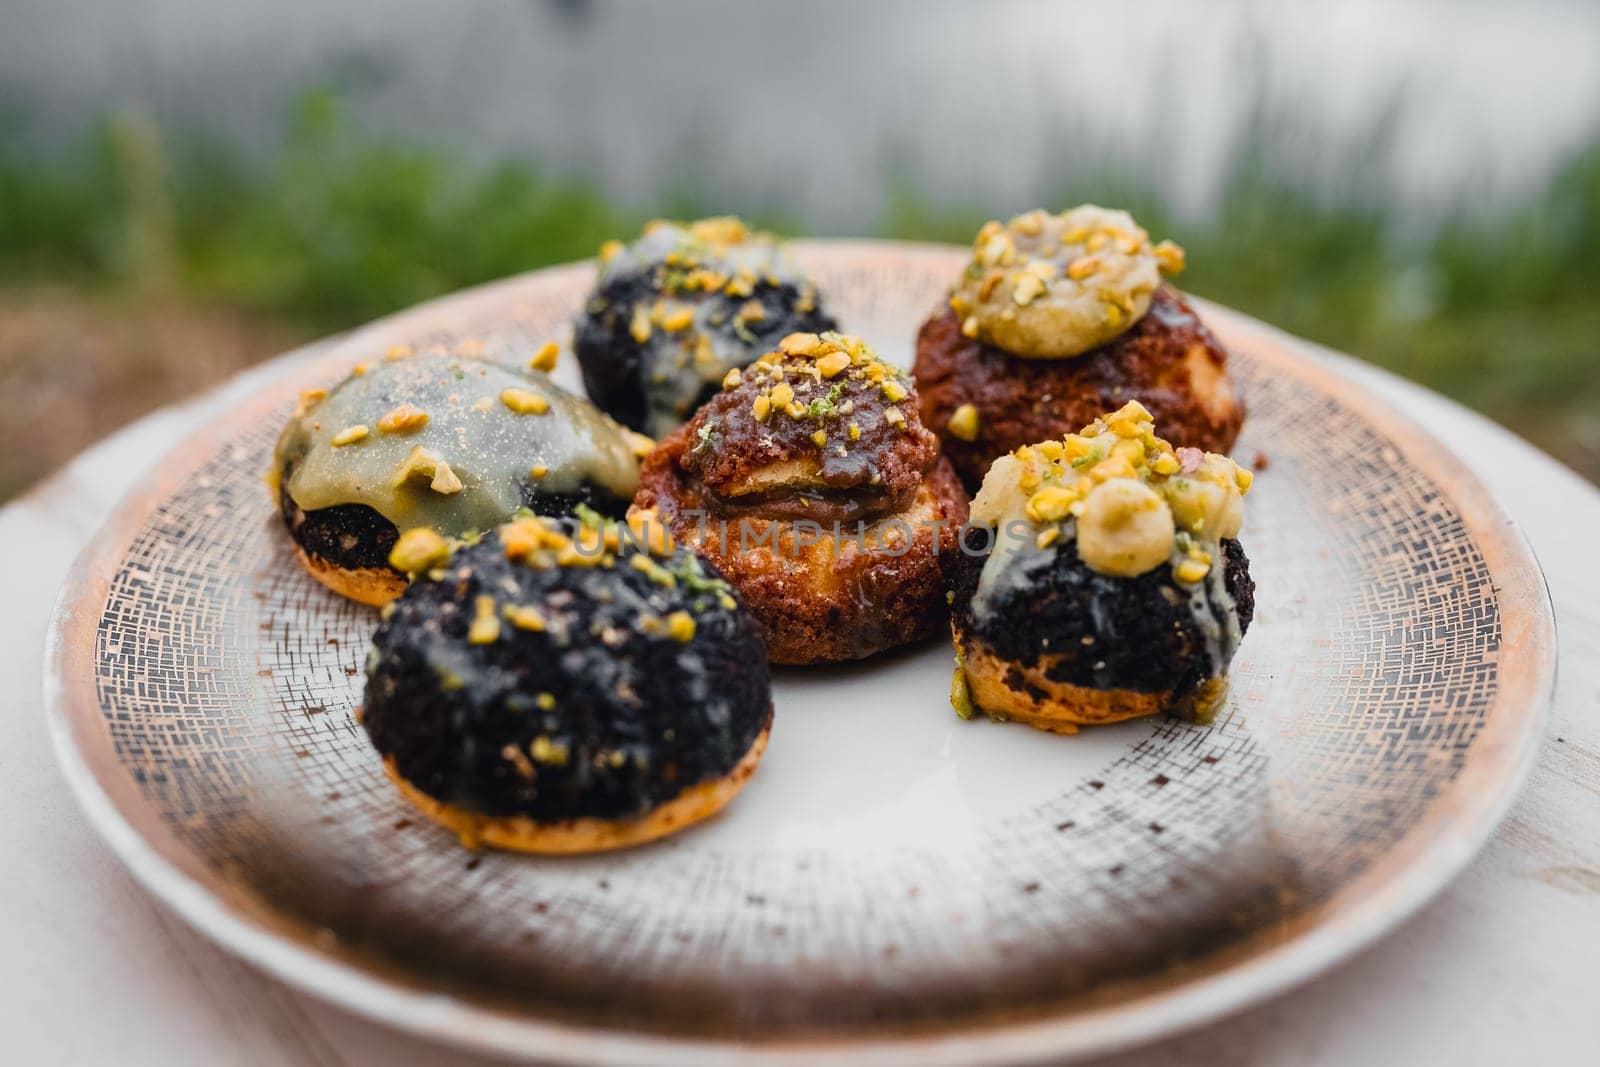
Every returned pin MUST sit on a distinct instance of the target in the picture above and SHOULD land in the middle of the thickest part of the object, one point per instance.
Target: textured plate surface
(895, 884)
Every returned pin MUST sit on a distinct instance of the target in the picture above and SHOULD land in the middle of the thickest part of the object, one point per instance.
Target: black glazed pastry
(452, 443)
(1103, 580)
(677, 309)
(565, 688)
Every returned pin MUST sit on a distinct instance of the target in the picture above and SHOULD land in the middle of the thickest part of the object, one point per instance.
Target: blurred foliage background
(140, 262)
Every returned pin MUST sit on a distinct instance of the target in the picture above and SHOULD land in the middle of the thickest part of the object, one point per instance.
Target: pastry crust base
(375, 586)
(1060, 708)
(833, 599)
(519, 833)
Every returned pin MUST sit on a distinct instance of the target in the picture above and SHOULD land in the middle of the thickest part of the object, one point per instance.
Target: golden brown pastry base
(1061, 709)
(1168, 360)
(518, 833)
(375, 586)
(832, 600)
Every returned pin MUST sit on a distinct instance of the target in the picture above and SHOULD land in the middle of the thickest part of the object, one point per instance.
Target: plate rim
(1405, 878)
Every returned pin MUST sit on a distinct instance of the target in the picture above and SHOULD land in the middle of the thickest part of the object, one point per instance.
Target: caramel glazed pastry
(1113, 585)
(680, 307)
(450, 443)
(1056, 319)
(550, 689)
(811, 483)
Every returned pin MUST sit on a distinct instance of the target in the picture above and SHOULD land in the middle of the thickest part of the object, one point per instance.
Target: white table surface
(1503, 967)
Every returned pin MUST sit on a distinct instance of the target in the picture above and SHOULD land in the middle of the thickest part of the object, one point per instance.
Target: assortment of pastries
(577, 621)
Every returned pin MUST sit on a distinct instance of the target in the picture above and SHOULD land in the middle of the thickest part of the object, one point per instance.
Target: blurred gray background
(810, 105)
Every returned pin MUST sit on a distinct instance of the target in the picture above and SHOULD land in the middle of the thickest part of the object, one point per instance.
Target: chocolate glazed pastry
(1109, 583)
(448, 444)
(557, 690)
(677, 309)
(811, 483)
(1057, 319)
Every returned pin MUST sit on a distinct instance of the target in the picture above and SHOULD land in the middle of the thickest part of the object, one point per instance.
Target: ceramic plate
(896, 884)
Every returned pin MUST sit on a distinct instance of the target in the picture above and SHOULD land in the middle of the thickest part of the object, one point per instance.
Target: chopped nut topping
(545, 358)
(418, 550)
(680, 627)
(678, 319)
(1054, 286)
(820, 438)
(524, 401)
(963, 423)
(397, 352)
(1029, 288)
(310, 398)
(350, 435)
(833, 363)
(732, 379)
(426, 463)
(545, 750)
(647, 528)
(1050, 504)
(639, 325)
(538, 472)
(798, 344)
(524, 618)
(403, 419)
(1171, 257)
(485, 627)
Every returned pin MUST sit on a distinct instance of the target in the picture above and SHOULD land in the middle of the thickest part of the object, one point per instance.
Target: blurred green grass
(130, 229)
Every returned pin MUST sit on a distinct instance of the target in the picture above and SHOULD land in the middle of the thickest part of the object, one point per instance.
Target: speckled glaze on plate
(895, 885)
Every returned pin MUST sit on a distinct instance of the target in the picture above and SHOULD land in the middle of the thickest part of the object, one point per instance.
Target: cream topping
(1046, 286)
(447, 442)
(1127, 499)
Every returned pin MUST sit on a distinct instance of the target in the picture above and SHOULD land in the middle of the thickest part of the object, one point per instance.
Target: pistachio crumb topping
(545, 359)
(485, 626)
(419, 550)
(963, 423)
(960, 692)
(1127, 498)
(524, 617)
(350, 435)
(545, 750)
(403, 419)
(524, 401)
(426, 463)
(680, 627)
(1053, 286)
